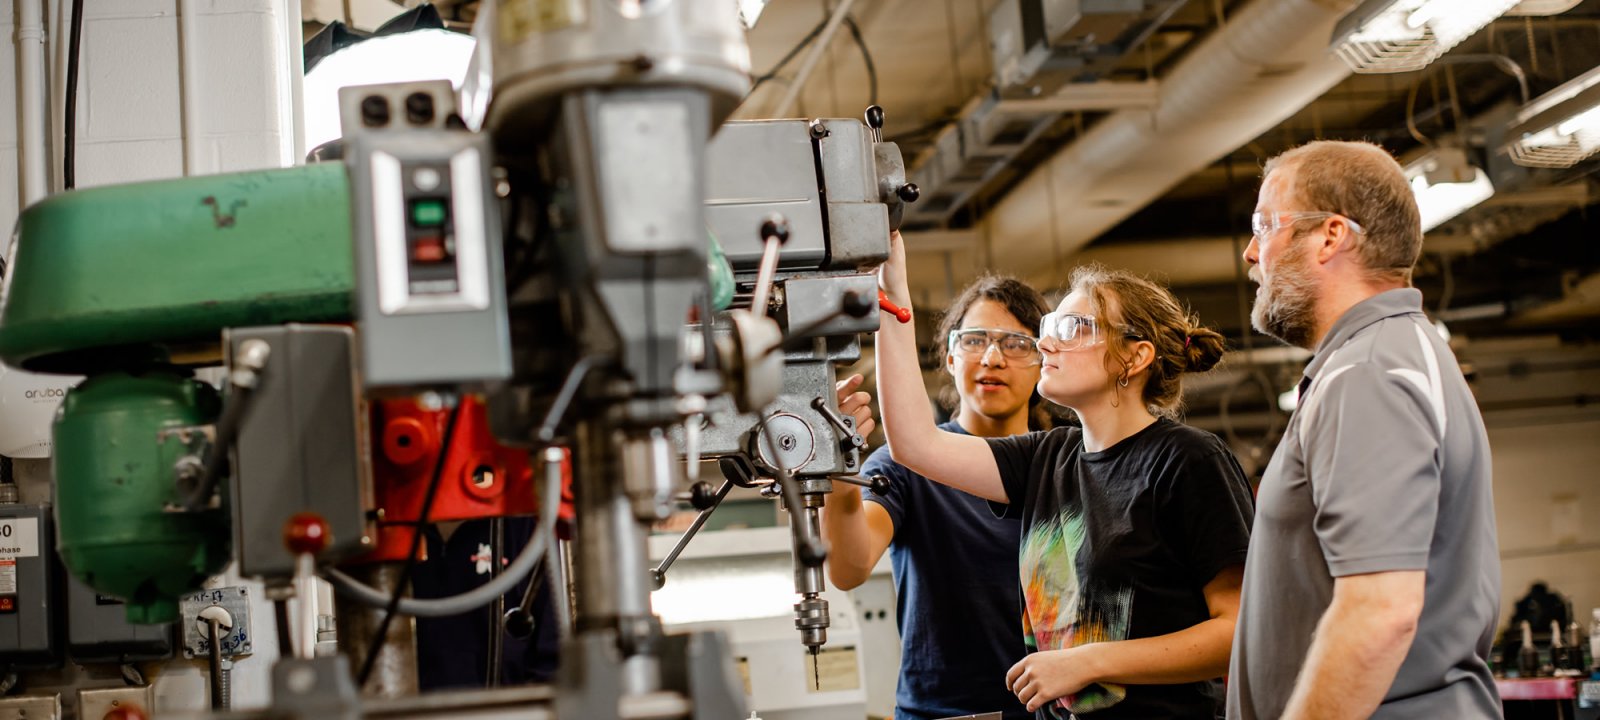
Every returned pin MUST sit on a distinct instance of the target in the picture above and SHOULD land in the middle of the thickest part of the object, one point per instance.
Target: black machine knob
(909, 192)
(874, 117)
(519, 624)
(812, 553)
(855, 304)
(880, 484)
(702, 496)
(775, 226)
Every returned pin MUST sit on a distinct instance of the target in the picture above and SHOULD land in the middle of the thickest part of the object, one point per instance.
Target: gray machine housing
(98, 630)
(304, 448)
(838, 188)
(29, 629)
(453, 300)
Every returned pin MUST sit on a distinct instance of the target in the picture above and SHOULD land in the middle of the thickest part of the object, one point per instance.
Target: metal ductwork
(1048, 56)
(1268, 61)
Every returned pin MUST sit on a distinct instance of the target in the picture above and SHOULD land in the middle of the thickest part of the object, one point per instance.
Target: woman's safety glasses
(975, 342)
(1071, 331)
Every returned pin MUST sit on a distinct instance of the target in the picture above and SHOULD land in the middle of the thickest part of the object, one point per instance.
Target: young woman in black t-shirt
(1134, 527)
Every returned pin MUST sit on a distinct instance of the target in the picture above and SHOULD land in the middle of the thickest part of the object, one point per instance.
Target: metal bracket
(196, 441)
(236, 602)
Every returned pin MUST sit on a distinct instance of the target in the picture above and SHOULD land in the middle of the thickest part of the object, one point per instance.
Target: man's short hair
(1360, 181)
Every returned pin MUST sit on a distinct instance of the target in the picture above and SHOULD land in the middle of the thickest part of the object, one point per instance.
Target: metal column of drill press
(613, 106)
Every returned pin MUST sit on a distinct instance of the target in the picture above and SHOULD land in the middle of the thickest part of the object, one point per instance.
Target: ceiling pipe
(32, 105)
(819, 47)
(1267, 62)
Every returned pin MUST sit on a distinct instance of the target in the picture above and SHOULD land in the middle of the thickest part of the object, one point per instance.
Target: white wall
(243, 90)
(243, 82)
(1547, 503)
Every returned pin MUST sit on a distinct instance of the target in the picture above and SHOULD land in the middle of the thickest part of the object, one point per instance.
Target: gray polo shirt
(1384, 467)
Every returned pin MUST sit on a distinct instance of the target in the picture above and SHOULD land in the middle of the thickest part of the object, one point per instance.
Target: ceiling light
(1390, 36)
(1543, 7)
(1560, 128)
(1447, 184)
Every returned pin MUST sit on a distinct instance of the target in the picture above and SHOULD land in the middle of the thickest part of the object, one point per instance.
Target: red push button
(428, 249)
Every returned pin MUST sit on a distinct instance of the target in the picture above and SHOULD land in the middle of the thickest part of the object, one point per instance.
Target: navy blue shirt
(956, 595)
(453, 652)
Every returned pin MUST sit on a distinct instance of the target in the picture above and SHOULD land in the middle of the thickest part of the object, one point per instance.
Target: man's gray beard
(1286, 308)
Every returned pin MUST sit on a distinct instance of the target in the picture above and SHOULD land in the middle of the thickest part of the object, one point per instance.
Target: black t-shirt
(1119, 544)
(955, 583)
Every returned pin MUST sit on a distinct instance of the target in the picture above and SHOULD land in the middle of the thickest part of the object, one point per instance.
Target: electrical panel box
(98, 630)
(29, 637)
(430, 285)
(303, 448)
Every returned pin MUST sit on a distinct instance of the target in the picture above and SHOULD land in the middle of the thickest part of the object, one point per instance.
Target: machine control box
(98, 630)
(303, 448)
(430, 288)
(28, 607)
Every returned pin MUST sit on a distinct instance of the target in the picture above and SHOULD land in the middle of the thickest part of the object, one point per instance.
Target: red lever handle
(900, 313)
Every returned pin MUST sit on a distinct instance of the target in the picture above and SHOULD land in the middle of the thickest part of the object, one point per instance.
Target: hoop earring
(1122, 382)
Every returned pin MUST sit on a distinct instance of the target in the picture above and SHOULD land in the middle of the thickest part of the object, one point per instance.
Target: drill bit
(816, 674)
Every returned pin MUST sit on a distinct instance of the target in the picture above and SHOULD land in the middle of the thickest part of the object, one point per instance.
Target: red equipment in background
(480, 478)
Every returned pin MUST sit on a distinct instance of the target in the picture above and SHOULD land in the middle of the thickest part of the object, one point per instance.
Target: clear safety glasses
(1264, 224)
(1071, 331)
(975, 342)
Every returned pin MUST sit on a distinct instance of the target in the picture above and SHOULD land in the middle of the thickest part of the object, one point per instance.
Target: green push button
(427, 213)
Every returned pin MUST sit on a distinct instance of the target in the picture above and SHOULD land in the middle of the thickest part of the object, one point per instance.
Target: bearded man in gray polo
(1373, 578)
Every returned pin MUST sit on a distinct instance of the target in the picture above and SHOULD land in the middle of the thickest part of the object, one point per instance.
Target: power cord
(69, 162)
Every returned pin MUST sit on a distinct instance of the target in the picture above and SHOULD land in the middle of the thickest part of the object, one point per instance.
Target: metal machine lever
(774, 233)
(851, 436)
(850, 303)
(658, 576)
(878, 484)
(900, 313)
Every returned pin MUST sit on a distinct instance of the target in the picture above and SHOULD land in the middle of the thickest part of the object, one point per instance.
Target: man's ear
(1336, 236)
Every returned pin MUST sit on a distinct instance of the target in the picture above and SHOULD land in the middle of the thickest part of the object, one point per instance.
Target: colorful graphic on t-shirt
(1062, 610)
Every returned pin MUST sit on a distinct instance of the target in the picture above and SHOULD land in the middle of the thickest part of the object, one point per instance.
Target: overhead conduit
(1268, 61)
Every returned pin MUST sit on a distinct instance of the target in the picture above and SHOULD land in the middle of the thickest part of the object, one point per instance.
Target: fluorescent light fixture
(1560, 128)
(1447, 184)
(1391, 36)
(429, 54)
(750, 11)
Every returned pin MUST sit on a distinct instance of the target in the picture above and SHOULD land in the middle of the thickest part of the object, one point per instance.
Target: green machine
(131, 285)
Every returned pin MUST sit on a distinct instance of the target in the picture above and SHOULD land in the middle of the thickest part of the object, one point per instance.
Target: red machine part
(480, 477)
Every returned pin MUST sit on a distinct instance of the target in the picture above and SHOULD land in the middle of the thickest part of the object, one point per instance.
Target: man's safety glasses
(975, 342)
(1264, 224)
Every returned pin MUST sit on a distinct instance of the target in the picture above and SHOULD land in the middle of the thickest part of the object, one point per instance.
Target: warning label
(19, 537)
(8, 586)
